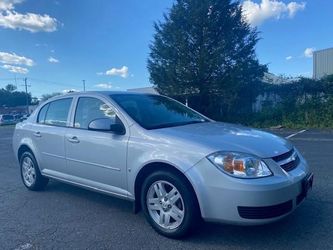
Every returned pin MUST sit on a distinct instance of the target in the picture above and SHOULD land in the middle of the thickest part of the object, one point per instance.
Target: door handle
(73, 139)
(37, 134)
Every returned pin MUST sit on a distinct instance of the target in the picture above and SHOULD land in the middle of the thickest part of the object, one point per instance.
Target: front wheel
(169, 204)
(30, 173)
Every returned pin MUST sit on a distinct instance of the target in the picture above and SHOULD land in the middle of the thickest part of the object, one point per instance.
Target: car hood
(217, 136)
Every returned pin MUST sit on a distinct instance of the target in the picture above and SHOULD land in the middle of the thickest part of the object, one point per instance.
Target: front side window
(154, 111)
(57, 112)
(89, 109)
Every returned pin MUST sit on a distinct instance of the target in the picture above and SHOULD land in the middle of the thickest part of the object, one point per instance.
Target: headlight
(240, 165)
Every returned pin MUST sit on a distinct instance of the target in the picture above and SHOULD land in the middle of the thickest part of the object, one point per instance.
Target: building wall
(145, 90)
(322, 63)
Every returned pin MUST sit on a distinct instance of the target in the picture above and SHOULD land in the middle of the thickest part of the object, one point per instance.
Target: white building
(147, 90)
(322, 63)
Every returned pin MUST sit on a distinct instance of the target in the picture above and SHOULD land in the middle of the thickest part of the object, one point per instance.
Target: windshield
(154, 111)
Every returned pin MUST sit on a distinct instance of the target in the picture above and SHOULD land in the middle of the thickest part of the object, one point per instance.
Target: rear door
(95, 158)
(48, 135)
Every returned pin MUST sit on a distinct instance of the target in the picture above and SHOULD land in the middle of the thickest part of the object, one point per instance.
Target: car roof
(97, 93)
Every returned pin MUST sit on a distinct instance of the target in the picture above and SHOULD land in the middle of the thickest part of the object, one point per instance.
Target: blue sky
(58, 43)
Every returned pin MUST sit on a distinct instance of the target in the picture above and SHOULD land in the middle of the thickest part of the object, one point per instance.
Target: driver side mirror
(107, 125)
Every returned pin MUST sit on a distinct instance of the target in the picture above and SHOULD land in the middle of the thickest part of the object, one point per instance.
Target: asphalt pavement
(67, 217)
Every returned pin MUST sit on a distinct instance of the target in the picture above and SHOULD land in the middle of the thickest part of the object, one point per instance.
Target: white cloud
(8, 4)
(53, 60)
(257, 13)
(294, 7)
(308, 52)
(100, 73)
(15, 69)
(12, 58)
(104, 85)
(65, 91)
(122, 72)
(288, 58)
(32, 22)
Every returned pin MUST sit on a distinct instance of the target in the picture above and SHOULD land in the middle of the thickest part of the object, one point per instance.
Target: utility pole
(26, 95)
(15, 81)
(84, 85)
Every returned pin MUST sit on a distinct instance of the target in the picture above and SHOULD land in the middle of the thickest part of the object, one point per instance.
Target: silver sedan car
(175, 164)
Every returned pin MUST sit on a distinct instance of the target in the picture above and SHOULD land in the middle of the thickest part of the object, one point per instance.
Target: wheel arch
(149, 168)
(23, 148)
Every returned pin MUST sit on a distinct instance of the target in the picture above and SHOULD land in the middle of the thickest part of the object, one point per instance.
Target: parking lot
(68, 217)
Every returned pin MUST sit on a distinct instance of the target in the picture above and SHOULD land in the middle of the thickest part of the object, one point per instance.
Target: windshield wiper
(175, 124)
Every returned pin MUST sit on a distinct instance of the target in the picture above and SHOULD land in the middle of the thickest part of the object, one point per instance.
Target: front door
(96, 159)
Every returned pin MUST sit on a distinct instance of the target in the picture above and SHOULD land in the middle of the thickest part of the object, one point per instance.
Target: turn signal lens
(239, 166)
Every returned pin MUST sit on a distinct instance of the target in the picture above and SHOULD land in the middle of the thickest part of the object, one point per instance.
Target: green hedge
(305, 103)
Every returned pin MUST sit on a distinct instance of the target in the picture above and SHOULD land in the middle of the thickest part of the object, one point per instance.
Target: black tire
(191, 213)
(40, 181)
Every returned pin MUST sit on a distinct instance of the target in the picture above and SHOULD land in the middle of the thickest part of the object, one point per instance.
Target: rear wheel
(30, 173)
(169, 204)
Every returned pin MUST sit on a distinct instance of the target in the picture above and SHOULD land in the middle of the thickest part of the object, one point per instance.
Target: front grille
(291, 165)
(288, 161)
(265, 212)
(283, 156)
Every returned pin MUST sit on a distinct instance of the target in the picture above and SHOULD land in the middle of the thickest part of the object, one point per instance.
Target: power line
(9, 79)
(52, 82)
(36, 81)
(33, 79)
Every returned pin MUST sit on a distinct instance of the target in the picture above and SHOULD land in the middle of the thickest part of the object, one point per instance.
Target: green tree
(328, 83)
(48, 96)
(10, 87)
(206, 48)
(13, 98)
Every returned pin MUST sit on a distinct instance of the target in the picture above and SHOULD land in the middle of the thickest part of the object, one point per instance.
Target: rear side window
(57, 112)
(89, 109)
(42, 114)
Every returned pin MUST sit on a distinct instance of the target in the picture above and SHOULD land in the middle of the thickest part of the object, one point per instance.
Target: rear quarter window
(42, 114)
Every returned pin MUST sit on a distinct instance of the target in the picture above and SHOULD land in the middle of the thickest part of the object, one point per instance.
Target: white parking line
(313, 139)
(292, 135)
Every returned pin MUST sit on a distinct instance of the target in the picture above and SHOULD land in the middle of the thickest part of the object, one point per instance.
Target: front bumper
(226, 199)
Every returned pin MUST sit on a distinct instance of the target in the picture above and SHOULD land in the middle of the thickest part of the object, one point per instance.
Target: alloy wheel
(28, 171)
(165, 205)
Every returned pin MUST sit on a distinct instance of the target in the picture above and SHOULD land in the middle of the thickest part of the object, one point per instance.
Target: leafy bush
(304, 103)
